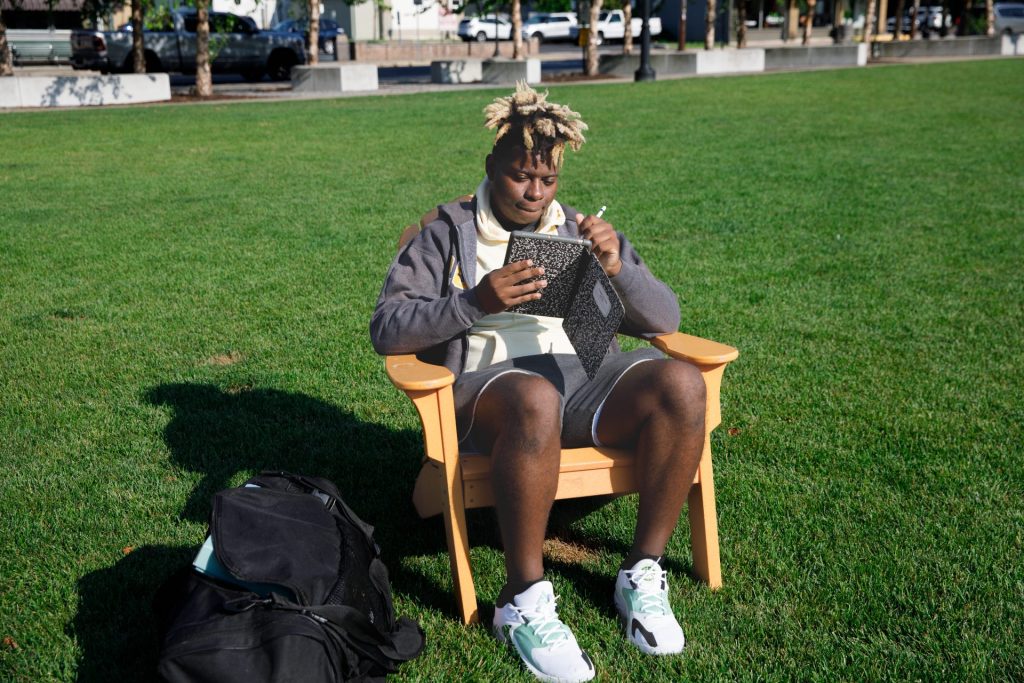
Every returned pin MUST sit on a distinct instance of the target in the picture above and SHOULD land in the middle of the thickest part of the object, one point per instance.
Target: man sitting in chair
(521, 393)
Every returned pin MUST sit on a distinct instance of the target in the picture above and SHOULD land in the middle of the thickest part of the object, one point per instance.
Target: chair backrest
(413, 229)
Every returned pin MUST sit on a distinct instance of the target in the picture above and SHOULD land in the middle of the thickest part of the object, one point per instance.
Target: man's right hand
(499, 290)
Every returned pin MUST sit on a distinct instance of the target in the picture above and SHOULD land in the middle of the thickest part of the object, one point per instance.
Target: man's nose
(534, 191)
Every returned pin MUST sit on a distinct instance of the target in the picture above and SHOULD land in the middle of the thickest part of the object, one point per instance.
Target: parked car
(611, 25)
(1009, 18)
(928, 18)
(484, 28)
(329, 32)
(890, 24)
(238, 47)
(551, 27)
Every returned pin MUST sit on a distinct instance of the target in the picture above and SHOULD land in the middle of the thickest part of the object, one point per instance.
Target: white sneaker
(641, 597)
(546, 645)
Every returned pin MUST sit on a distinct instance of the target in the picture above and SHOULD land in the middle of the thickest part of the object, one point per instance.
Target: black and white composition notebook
(579, 292)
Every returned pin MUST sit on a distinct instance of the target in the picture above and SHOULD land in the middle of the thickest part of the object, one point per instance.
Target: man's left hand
(605, 240)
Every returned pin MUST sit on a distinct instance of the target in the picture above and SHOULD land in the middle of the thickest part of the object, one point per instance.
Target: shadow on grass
(224, 436)
(115, 626)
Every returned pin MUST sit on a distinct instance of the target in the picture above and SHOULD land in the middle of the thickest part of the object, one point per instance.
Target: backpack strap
(403, 643)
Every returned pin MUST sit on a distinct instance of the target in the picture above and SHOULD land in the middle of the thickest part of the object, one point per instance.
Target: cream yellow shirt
(501, 336)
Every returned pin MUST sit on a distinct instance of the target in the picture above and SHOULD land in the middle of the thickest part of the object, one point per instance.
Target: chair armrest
(409, 373)
(694, 349)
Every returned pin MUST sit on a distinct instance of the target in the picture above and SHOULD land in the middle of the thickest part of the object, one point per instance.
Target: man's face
(521, 188)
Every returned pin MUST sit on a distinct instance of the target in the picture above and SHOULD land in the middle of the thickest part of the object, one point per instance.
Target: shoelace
(543, 617)
(649, 580)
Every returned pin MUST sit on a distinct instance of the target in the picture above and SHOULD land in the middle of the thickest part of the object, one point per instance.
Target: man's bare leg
(518, 422)
(658, 409)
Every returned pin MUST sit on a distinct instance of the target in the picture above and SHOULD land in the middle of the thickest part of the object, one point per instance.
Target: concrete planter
(457, 71)
(730, 61)
(1012, 45)
(79, 91)
(511, 70)
(939, 47)
(409, 51)
(334, 77)
(825, 56)
(697, 62)
(663, 63)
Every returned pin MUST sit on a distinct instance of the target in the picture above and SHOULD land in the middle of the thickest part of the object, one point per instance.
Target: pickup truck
(611, 25)
(237, 46)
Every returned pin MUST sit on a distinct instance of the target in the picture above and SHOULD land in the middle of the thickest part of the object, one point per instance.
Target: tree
(6, 58)
(838, 24)
(869, 20)
(741, 23)
(313, 44)
(517, 30)
(590, 56)
(809, 24)
(709, 25)
(913, 22)
(138, 38)
(204, 75)
(627, 37)
(990, 18)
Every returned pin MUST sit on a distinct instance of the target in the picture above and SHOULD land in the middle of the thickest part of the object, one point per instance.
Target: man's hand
(499, 290)
(605, 240)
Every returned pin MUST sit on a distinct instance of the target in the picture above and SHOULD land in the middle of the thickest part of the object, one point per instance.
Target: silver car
(1009, 18)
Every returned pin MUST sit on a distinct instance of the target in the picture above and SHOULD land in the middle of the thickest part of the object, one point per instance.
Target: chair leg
(704, 523)
(458, 556)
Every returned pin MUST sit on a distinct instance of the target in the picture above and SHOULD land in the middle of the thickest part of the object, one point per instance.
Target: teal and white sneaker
(547, 647)
(641, 597)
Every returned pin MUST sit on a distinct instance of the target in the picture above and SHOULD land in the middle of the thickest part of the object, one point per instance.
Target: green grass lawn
(184, 300)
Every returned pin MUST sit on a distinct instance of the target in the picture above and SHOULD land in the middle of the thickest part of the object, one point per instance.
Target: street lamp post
(645, 72)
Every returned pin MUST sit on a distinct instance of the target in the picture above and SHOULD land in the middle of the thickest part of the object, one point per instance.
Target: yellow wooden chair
(451, 482)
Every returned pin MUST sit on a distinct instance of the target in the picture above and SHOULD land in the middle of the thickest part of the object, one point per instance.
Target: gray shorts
(581, 398)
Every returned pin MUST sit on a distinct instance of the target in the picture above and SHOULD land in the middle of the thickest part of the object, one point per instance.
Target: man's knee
(678, 389)
(525, 406)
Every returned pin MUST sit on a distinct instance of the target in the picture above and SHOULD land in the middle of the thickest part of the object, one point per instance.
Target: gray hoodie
(423, 310)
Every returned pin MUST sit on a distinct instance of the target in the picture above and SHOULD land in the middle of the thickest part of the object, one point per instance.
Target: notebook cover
(578, 291)
(594, 317)
(563, 260)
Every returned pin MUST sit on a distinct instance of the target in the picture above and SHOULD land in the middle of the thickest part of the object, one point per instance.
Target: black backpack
(294, 590)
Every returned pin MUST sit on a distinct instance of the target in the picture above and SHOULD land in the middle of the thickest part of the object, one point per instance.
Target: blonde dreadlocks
(542, 128)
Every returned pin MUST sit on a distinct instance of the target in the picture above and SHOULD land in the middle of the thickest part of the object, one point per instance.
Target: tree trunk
(709, 25)
(741, 23)
(204, 77)
(138, 39)
(899, 20)
(313, 49)
(869, 19)
(6, 58)
(913, 22)
(809, 24)
(990, 19)
(517, 30)
(627, 37)
(590, 60)
(838, 22)
(682, 25)
(790, 22)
